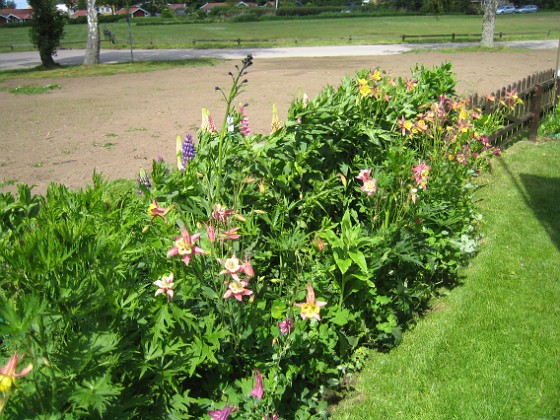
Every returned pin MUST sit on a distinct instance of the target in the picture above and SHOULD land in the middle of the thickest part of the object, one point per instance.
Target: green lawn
(490, 349)
(386, 29)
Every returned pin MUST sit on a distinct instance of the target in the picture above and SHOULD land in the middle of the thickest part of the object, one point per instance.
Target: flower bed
(246, 279)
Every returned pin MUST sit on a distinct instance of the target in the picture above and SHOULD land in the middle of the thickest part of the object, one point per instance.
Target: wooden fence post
(536, 112)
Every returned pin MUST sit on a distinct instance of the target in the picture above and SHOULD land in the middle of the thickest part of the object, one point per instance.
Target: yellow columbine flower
(311, 307)
(8, 373)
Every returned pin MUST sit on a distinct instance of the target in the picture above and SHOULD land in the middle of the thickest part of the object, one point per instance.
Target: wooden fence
(539, 93)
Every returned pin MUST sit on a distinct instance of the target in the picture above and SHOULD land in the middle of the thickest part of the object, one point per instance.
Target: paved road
(29, 59)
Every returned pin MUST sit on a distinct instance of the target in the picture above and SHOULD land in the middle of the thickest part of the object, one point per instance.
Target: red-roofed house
(14, 15)
(134, 12)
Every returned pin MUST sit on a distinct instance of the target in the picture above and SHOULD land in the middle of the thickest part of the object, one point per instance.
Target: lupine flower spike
(185, 151)
(143, 180)
(311, 307)
(276, 125)
(244, 127)
(8, 372)
(207, 122)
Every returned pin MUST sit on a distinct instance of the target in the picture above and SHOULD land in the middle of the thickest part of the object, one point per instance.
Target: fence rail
(539, 94)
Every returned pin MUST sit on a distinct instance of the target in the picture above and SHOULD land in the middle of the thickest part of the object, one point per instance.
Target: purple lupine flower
(187, 150)
(143, 180)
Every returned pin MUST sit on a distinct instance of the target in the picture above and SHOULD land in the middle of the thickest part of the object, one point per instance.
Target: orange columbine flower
(311, 307)
(8, 373)
(410, 85)
(185, 246)
(405, 126)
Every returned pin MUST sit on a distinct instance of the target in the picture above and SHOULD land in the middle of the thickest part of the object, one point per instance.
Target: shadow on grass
(542, 195)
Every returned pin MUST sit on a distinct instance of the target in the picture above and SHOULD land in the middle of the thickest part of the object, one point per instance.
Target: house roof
(210, 6)
(177, 6)
(79, 13)
(22, 14)
(132, 10)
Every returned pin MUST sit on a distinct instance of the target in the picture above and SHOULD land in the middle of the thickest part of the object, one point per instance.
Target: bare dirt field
(117, 124)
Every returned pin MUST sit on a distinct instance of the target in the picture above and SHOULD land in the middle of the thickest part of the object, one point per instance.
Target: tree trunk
(488, 23)
(93, 40)
(47, 60)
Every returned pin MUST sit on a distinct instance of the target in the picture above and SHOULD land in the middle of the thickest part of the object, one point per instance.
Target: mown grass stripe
(489, 349)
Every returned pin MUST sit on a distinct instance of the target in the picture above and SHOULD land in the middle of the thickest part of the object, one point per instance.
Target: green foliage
(272, 259)
(550, 126)
(34, 90)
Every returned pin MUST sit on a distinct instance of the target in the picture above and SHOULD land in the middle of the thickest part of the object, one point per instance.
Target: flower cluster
(369, 184)
(185, 151)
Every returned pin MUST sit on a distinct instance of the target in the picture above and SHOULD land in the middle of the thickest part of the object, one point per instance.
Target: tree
(47, 29)
(7, 4)
(488, 23)
(93, 40)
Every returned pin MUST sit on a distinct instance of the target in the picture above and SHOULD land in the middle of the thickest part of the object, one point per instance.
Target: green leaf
(360, 259)
(341, 317)
(343, 264)
(278, 309)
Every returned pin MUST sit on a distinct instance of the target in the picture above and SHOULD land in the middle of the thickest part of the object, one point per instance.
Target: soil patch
(117, 124)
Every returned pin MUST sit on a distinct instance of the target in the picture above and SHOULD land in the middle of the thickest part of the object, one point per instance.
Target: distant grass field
(319, 31)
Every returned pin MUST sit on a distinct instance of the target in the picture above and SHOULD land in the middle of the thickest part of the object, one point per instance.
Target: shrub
(551, 123)
(246, 278)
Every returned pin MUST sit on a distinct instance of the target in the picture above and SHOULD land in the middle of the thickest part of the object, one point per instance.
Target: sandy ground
(117, 124)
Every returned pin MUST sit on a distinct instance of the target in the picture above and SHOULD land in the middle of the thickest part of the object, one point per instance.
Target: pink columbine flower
(210, 231)
(286, 326)
(185, 246)
(370, 184)
(234, 266)
(258, 388)
(311, 307)
(421, 174)
(222, 414)
(154, 210)
(221, 214)
(230, 234)
(8, 372)
(165, 286)
(237, 289)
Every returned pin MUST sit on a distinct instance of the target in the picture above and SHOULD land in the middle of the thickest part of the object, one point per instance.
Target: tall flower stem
(233, 93)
